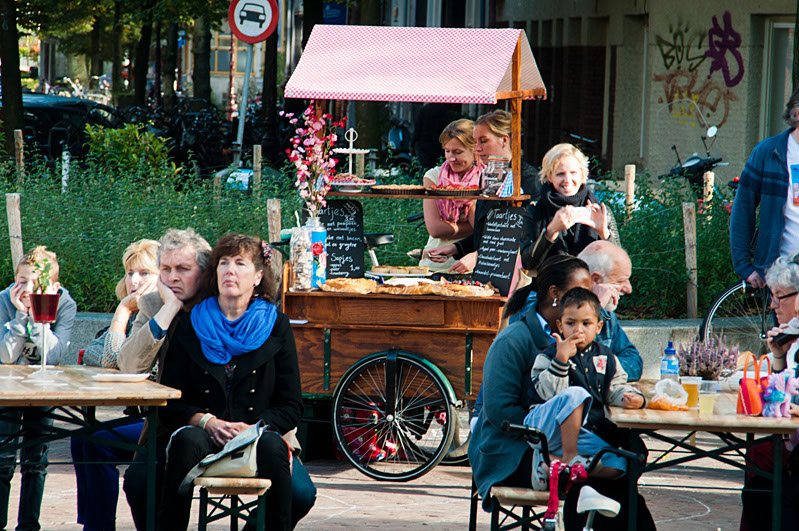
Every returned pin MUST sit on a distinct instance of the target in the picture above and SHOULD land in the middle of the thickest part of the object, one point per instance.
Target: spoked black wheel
(458, 453)
(742, 315)
(393, 417)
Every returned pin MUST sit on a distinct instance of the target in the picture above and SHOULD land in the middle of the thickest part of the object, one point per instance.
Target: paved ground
(347, 500)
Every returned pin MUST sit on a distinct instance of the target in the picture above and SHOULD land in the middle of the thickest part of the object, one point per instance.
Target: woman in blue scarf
(235, 363)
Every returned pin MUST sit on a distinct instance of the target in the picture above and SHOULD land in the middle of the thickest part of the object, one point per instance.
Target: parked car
(55, 123)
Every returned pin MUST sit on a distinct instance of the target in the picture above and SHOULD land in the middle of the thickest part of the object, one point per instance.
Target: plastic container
(708, 390)
(691, 386)
(301, 260)
(318, 251)
(670, 364)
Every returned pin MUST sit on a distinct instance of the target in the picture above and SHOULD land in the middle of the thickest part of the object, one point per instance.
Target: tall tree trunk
(96, 66)
(312, 14)
(170, 63)
(367, 113)
(116, 50)
(142, 61)
(202, 59)
(9, 70)
(157, 81)
(269, 100)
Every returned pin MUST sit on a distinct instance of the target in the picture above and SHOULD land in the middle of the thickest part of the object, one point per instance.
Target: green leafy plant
(42, 281)
(130, 149)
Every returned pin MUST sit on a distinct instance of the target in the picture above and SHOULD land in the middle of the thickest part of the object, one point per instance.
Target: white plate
(121, 377)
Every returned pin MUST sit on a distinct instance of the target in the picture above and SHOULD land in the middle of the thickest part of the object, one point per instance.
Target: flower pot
(44, 307)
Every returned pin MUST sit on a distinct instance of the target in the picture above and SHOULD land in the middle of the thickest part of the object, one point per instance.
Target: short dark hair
(250, 246)
(793, 103)
(576, 298)
(558, 270)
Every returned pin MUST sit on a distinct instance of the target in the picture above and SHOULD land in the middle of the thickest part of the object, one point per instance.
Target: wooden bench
(505, 500)
(230, 489)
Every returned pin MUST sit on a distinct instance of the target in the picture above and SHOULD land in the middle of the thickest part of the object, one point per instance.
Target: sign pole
(243, 108)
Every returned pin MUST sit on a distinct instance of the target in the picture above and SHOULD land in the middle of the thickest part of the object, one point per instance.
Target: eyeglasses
(783, 297)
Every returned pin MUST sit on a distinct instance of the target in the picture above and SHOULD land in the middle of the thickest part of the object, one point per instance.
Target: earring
(555, 303)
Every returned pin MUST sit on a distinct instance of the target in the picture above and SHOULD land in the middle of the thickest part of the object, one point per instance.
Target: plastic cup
(691, 386)
(708, 391)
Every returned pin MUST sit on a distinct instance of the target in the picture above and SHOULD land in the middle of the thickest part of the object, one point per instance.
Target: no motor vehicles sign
(253, 20)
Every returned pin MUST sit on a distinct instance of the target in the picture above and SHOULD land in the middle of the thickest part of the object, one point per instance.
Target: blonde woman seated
(98, 482)
(450, 220)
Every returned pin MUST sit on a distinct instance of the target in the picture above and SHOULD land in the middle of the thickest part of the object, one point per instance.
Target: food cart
(400, 368)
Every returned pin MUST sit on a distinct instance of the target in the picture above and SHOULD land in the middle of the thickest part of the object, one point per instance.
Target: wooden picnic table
(724, 424)
(73, 392)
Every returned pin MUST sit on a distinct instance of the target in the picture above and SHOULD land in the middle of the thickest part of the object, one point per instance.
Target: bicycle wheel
(392, 417)
(742, 315)
(458, 451)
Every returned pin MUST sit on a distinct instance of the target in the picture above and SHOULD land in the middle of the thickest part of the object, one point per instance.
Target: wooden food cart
(400, 367)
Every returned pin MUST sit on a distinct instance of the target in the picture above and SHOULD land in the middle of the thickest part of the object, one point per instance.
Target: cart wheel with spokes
(458, 453)
(393, 416)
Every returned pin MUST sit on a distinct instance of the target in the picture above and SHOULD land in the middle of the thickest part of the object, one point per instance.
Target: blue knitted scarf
(222, 339)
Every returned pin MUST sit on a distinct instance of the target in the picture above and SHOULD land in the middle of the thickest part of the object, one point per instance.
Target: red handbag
(749, 393)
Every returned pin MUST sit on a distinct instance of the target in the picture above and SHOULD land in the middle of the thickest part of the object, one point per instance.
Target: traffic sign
(253, 20)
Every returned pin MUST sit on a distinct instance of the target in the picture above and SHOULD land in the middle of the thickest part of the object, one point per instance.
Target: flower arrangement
(312, 145)
(709, 359)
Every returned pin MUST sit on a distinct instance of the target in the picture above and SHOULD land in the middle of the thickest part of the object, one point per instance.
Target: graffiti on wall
(684, 51)
(684, 47)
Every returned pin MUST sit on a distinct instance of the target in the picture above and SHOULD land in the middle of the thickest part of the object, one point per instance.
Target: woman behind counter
(492, 139)
(235, 363)
(98, 484)
(449, 220)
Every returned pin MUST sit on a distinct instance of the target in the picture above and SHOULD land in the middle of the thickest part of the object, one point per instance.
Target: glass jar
(301, 260)
(493, 176)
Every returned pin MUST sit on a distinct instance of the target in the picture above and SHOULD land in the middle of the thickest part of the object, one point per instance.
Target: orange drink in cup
(691, 386)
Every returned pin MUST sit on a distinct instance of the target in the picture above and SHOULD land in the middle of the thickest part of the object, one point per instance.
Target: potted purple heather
(709, 359)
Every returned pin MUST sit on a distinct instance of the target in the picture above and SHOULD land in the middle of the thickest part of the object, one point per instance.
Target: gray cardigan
(14, 332)
(507, 392)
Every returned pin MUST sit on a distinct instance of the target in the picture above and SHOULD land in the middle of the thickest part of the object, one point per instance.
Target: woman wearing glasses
(782, 279)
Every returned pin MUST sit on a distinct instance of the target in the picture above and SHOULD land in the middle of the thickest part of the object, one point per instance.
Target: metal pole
(243, 107)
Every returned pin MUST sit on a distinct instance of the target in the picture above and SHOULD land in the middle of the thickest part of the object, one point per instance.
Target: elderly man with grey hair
(610, 269)
(782, 279)
(770, 181)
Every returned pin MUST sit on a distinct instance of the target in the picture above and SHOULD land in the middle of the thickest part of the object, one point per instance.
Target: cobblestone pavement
(348, 500)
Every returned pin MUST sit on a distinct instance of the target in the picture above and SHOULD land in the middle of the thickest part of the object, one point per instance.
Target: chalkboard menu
(503, 230)
(343, 220)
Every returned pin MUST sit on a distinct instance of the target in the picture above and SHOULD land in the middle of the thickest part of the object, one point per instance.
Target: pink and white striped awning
(390, 63)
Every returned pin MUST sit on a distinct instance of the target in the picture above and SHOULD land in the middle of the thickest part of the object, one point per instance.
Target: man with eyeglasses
(769, 180)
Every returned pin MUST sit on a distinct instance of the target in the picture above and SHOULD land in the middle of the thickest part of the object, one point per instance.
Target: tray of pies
(400, 271)
(453, 191)
(406, 286)
(464, 288)
(398, 189)
(349, 285)
(345, 182)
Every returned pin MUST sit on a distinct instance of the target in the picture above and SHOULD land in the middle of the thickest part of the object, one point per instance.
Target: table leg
(632, 491)
(151, 466)
(776, 494)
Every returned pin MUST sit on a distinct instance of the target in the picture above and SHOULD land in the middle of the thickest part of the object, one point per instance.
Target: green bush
(654, 237)
(130, 149)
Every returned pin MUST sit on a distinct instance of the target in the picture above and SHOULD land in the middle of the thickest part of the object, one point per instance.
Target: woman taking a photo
(235, 363)
(492, 139)
(98, 484)
(449, 220)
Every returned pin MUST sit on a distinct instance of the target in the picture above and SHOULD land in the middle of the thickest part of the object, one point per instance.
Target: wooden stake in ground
(14, 227)
(19, 154)
(274, 221)
(256, 172)
(707, 192)
(689, 222)
(629, 187)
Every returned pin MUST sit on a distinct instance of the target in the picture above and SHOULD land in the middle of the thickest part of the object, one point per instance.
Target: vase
(318, 250)
(44, 307)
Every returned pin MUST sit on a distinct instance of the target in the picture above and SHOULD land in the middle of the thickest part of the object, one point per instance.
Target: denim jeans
(98, 484)
(33, 462)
